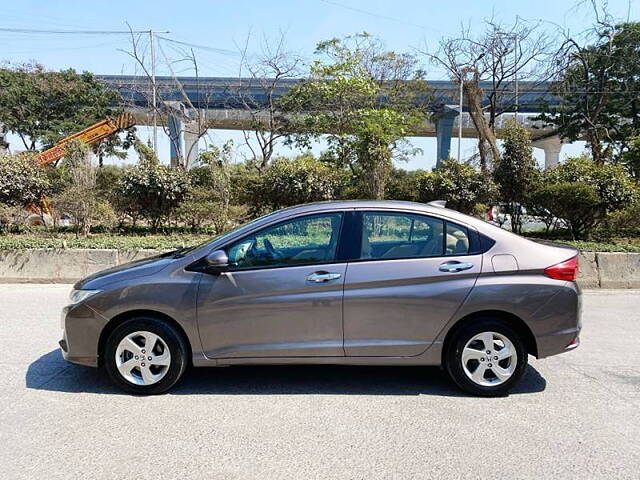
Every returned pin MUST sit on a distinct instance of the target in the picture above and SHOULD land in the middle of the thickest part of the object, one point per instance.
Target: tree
(598, 87)
(42, 107)
(515, 172)
(487, 65)
(212, 189)
(461, 185)
(168, 102)
(364, 101)
(631, 158)
(80, 198)
(258, 95)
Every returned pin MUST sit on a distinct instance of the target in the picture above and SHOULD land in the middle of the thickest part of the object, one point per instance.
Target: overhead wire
(72, 32)
(202, 47)
(378, 15)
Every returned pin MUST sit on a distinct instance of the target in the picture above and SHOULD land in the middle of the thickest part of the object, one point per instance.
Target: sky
(226, 25)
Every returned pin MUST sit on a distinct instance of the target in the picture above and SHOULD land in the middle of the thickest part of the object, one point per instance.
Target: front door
(282, 296)
(413, 273)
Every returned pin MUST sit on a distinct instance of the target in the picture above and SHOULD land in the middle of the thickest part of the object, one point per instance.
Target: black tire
(170, 336)
(453, 357)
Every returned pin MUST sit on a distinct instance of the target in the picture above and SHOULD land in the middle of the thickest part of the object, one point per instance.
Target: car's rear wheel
(486, 357)
(145, 355)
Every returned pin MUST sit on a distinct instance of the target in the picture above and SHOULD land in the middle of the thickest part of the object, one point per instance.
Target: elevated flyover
(225, 102)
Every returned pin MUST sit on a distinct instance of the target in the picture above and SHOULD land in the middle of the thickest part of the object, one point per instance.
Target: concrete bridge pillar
(551, 147)
(191, 137)
(175, 140)
(444, 130)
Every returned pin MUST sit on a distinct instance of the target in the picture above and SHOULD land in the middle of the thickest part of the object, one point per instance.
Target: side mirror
(216, 261)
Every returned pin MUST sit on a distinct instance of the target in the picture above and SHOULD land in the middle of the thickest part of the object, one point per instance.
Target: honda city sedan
(351, 283)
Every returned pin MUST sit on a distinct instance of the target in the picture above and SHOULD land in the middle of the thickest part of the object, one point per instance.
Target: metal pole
(153, 91)
(460, 119)
(515, 68)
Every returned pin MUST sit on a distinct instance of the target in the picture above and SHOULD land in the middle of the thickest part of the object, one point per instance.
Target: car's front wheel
(486, 357)
(145, 355)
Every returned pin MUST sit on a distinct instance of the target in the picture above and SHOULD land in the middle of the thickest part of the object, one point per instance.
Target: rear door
(412, 274)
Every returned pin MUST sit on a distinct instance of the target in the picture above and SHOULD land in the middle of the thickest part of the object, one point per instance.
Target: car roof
(358, 204)
(375, 205)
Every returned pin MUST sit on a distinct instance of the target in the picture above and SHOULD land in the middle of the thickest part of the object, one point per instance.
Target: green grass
(616, 246)
(120, 242)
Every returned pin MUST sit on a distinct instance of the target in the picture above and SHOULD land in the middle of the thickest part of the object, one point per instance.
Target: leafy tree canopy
(599, 91)
(363, 100)
(42, 107)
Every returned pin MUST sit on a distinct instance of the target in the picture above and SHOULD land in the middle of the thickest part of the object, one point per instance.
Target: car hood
(126, 271)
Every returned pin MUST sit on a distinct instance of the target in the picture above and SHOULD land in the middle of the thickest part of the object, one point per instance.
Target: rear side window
(457, 240)
(400, 235)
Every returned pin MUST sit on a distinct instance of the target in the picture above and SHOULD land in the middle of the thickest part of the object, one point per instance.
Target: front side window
(303, 241)
(401, 235)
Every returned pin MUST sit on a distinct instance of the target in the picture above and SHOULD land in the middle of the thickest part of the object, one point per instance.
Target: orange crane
(90, 135)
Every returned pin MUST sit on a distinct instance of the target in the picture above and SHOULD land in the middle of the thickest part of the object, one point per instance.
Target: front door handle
(452, 267)
(321, 277)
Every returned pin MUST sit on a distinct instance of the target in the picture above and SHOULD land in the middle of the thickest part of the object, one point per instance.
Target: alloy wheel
(489, 359)
(143, 358)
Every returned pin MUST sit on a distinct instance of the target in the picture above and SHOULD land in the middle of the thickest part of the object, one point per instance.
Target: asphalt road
(576, 415)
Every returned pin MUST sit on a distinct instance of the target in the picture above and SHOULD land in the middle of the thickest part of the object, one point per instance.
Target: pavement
(575, 415)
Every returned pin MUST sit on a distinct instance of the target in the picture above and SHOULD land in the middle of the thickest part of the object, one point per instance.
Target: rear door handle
(452, 267)
(321, 277)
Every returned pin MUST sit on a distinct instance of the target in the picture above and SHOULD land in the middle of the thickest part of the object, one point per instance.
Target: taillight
(567, 270)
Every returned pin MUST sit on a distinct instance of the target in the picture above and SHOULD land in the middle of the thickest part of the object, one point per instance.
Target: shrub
(22, 181)
(13, 218)
(614, 187)
(292, 182)
(461, 185)
(107, 177)
(104, 215)
(575, 203)
(151, 191)
(403, 185)
(199, 209)
(626, 221)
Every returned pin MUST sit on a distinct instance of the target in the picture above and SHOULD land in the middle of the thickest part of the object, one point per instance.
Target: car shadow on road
(51, 372)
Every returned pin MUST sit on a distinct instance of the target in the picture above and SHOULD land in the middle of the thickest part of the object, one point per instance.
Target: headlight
(77, 296)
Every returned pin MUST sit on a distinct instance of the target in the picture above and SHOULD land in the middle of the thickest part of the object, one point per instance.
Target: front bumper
(81, 327)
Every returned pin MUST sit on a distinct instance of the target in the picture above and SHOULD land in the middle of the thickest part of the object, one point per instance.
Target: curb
(49, 265)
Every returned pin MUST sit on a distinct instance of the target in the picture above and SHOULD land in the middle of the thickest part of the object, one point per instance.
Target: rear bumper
(559, 322)
(559, 342)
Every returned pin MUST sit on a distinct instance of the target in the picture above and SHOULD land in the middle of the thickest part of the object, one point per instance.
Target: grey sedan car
(352, 283)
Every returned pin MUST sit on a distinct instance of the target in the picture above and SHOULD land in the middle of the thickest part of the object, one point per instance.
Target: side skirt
(431, 357)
